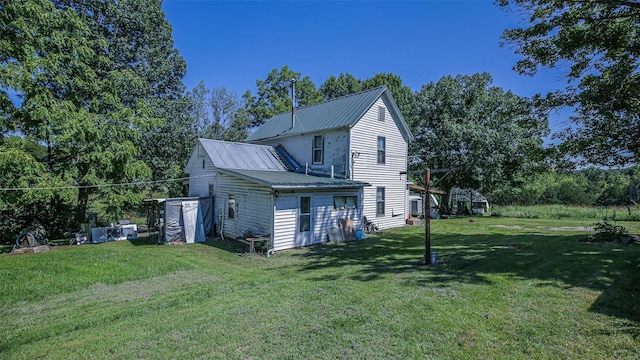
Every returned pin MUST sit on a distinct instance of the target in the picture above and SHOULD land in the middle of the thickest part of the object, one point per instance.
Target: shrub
(607, 232)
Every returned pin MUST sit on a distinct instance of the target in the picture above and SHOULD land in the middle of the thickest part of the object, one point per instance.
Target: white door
(304, 227)
(192, 218)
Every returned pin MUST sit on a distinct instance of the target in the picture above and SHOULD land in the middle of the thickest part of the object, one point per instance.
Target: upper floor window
(318, 147)
(382, 112)
(382, 144)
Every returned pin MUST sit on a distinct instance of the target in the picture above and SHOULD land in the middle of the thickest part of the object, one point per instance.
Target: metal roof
(281, 180)
(231, 155)
(337, 113)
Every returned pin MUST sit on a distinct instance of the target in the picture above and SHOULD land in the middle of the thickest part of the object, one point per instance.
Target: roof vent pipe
(293, 103)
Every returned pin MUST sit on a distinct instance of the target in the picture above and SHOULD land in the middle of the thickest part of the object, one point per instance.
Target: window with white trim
(382, 113)
(382, 144)
(345, 202)
(380, 201)
(318, 147)
(232, 206)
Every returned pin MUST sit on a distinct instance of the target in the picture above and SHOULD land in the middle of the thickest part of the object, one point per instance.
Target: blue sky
(233, 43)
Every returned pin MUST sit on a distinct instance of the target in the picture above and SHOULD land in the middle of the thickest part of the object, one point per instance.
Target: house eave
(318, 186)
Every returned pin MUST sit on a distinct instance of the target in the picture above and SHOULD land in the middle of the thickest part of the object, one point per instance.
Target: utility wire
(101, 185)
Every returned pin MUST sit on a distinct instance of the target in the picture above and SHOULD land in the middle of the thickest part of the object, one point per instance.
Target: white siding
(324, 216)
(200, 177)
(364, 137)
(285, 215)
(254, 206)
(336, 150)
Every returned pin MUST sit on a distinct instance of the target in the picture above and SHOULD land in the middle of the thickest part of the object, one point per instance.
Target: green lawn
(505, 288)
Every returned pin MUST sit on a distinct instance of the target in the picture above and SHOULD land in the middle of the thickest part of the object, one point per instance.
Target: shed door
(304, 228)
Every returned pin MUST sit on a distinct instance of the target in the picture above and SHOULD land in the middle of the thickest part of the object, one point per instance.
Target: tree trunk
(445, 202)
(81, 208)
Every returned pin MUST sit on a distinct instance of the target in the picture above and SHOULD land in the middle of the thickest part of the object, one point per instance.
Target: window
(381, 149)
(203, 163)
(232, 207)
(380, 201)
(382, 113)
(345, 202)
(305, 214)
(210, 189)
(318, 145)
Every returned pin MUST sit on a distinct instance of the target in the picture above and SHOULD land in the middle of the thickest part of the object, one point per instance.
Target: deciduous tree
(274, 95)
(492, 136)
(342, 85)
(73, 93)
(597, 43)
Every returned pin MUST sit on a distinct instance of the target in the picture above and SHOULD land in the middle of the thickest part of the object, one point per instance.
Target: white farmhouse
(362, 136)
(301, 175)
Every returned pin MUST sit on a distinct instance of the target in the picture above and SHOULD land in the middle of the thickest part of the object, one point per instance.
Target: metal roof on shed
(231, 155)
(332, 114)
(281, 180)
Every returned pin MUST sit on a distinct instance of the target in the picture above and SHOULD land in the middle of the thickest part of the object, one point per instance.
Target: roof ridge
(334, 99)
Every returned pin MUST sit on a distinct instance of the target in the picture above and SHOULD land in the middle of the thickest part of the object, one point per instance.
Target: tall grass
(566, 211)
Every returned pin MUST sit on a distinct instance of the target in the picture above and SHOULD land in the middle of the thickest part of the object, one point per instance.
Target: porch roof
(285, 180)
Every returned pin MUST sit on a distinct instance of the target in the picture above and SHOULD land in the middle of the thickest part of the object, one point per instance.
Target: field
(620, 213)
(504, 288)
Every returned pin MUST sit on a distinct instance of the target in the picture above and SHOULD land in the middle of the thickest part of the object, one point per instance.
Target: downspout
(272, 244)
(347, 174)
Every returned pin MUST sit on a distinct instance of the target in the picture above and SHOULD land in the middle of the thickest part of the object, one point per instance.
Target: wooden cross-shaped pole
(426, 207)
(427, 217)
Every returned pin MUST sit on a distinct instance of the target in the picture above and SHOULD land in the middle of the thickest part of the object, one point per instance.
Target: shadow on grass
(559, 261)
(226, 244)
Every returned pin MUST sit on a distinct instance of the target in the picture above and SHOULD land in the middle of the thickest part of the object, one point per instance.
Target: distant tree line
(587, 187)
(93, 109)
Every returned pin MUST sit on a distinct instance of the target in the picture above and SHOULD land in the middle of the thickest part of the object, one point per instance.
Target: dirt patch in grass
(570, 228)
(510, 227)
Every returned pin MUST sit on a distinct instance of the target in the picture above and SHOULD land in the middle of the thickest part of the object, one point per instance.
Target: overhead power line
(100, 185)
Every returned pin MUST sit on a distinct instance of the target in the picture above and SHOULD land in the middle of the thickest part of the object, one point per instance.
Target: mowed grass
(505, 288)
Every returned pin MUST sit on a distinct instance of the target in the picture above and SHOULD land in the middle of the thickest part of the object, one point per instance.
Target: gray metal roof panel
(231, 155)
(290, 180)
(332, 114)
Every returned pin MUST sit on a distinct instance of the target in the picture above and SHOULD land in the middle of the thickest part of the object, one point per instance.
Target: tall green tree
(73, 98)
(598, 43)
(274, 95)
(216, 113)
(402, 94)
(492, 136)
(22, 168)
(136, 36)
(346, 84)
(342, 85)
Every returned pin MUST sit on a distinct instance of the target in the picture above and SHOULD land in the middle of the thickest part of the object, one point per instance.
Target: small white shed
(181, 220)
